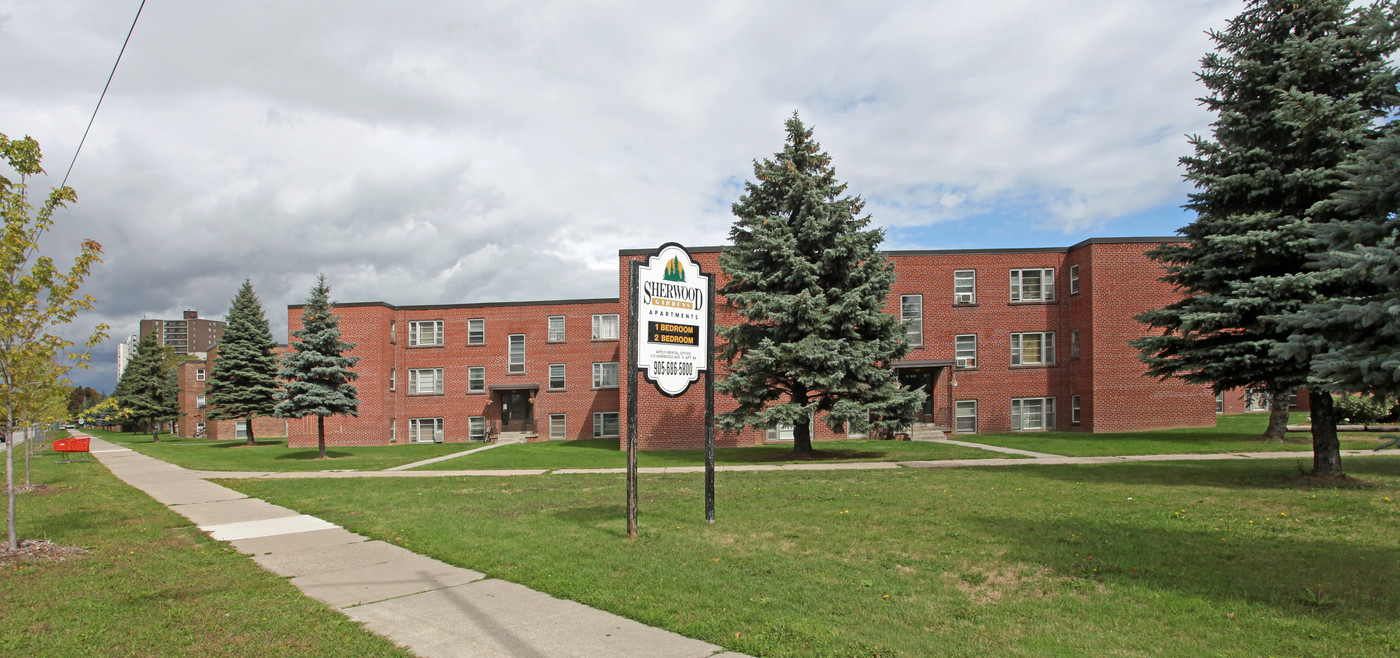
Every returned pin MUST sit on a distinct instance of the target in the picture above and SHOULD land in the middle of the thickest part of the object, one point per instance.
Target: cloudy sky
(429, 152)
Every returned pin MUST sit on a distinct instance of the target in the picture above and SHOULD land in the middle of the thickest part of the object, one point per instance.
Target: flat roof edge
(937, 252)
(427, 307)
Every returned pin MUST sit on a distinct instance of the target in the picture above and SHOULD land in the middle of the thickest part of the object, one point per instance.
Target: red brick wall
(192, 378)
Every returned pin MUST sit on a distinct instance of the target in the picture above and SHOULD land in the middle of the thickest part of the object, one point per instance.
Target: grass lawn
(150, 584)
(603, 453)
(1182, 559)
(273, 454)
(1236, 433)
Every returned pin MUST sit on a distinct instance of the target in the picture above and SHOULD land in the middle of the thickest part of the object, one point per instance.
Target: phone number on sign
(672, 368)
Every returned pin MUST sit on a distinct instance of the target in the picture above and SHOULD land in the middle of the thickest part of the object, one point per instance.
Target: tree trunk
(11, 518)
(1327, 450)
(1278, 415)
(802, 438)
(155, 432)
(321, 435)
(250, 431)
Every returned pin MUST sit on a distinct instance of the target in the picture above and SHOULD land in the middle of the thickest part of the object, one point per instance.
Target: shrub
(1362, 409)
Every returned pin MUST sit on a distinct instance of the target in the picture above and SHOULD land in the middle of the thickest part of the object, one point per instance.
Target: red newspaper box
(76, 444)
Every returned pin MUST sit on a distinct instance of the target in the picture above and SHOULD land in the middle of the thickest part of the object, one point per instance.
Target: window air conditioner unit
(962, 298)
(966, 362)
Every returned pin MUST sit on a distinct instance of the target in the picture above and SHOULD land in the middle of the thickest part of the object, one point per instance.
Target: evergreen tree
(147, 389)
(243, 381)
(1353, 337)
(1296, 86)
(317, 374)
(807, 277)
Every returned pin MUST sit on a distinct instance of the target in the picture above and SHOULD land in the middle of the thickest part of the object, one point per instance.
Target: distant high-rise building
(187, 335)
(124, 351)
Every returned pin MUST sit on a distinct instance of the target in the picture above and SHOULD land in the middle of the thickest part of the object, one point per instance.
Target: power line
(104, 94)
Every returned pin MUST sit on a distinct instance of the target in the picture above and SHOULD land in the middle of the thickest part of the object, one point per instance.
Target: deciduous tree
(317, 374)
(37, 297)
(812, 286)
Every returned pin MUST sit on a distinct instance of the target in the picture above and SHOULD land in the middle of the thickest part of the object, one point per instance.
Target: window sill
(426, 395)
(556, 390)
(605, 340)
(480, 344)
(421, 347)
(1034, 303)
(480, 392)
(965, 304)
(1033, 366)
(605, 388)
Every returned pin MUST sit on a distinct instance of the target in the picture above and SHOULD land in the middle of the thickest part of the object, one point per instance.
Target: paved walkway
(430, 607)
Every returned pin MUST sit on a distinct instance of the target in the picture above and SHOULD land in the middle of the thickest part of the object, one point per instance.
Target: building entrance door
(517, 412)
(925, 378)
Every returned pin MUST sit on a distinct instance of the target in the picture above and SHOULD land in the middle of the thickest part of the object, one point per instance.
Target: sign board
(672, 323)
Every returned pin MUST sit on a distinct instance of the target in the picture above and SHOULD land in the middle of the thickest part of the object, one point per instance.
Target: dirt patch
(34, 488)
(1309, 481)
(36, 550)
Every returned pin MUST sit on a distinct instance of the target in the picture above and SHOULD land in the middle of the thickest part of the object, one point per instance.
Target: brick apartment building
(188, 335)
(1004, 340)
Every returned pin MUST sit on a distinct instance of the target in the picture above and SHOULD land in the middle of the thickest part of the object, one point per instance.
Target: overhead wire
(103, 95)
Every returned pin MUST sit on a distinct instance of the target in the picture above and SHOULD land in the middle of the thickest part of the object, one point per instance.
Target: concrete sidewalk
(430, 607)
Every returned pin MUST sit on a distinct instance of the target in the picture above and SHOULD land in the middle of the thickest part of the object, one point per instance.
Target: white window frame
(1220, 402)
(1073, 343)
(240, 430)
(200, 401)
(556, 328)
(964, 410)
(515, 354)
(602, 372)
(476, 331)
(393, 379)
(393, 431)
(558, 427)
(393, 332)
(854, 434)
(476, 379)
(418, 427)
(476, 428)
(965, 287)
(1047, 348)
(780, 433)
(963, 356)
(199, 374)
(200, 427)
(426, 381)
(606, 326)
(557, 371)
(425, 333)
(1041, 292)
(1074, 411)
(600, 425)
(911, 315)
(1074, 279)
(1032, 414)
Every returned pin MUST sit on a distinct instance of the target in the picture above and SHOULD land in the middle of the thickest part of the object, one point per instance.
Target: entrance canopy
(514, 387)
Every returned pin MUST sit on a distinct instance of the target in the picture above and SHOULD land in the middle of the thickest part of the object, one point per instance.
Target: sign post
(671, 307)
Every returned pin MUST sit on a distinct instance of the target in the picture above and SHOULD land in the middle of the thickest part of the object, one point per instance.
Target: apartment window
(393, 379)
(199, 428)
(966, 415)
(556, 376)
(425, 333)
(1220, 402)
(782, 432)
(393, 431)
(476, 428)
(1074, 279)
(425, 430)
(556, 328)
(605, 375)
(240, 429)
(476, 379)
(476, 331)
(199, 402)
(605, 326)
(965, 350)
(965, 287)
(1034, 285)
(852, 433)
(911, 313)
(1033, 349)
(516, 354)
(1032, 414)
(199, 374)
(1073, 343)
(558, 430)
(605, 425)
(393, 332)
(1074, 410)
(425, 381)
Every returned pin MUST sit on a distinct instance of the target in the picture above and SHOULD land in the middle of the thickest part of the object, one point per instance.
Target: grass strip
(1239, 558)
(150, 584)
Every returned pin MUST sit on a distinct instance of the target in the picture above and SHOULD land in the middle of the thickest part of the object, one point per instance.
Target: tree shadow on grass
(596, 517)
(1323, 578)
(312, 455)
(241, 443)
(1233, 474)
